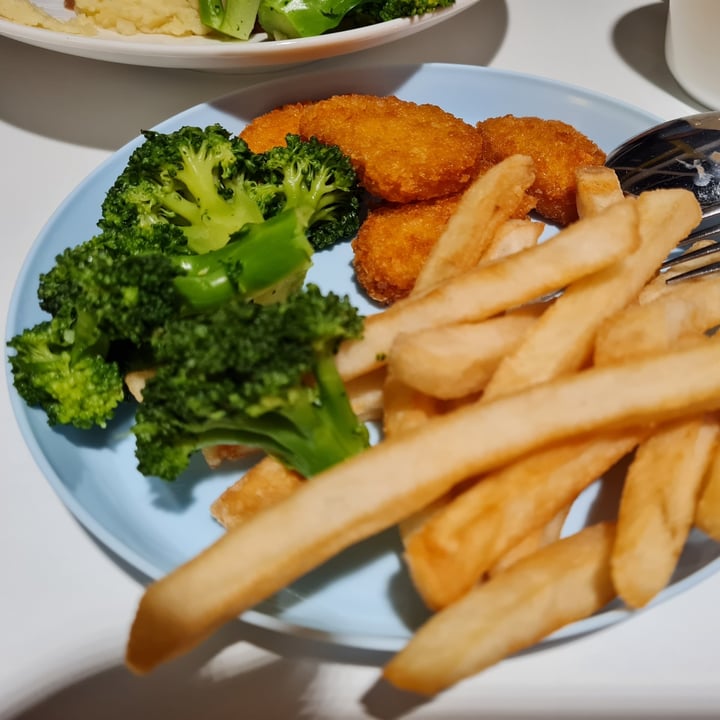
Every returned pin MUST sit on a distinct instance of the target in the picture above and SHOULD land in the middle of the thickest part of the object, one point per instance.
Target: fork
(713, 235)
(679, 153)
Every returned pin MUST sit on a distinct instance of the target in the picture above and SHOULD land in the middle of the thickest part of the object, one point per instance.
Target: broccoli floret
(108, 297)
(209, 185)
(95, 268)
(259, 375)
(73, 388)
(104, 310)
(201, 180)
(289, 19)
(230, 17)
(321, 183)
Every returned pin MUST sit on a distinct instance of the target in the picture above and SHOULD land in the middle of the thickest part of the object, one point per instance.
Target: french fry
(707, 512)
(562, 340)
(657, 506)
(441, 574)
(578, 250)
(377, 488)
(597, 188)
(685, 309)
(512, 236)
(469, 536)
(265, 484)
(564, 582)
(487, 203)
(545, 535)
(456, 360)
(408, 404)
(405, 407)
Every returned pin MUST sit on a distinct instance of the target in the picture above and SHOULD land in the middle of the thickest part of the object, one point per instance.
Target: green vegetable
(283, 19)
(194, 220)
(203, 181)
(80, 389)
(235, 18)
(258, 375)
(321, 183)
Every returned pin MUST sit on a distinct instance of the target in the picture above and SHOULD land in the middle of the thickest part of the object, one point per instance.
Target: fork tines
(712, 235)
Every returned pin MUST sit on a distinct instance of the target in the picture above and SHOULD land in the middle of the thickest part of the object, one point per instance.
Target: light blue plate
(361, 598)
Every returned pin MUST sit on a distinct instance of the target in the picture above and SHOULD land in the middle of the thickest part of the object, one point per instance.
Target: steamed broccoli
(93, 267)
(258, 375)
(73, 388)
(200, 179)
(194, 220)
(321, 183)
(104, 310)
(284, 19)
(105, 307)
(209, 185)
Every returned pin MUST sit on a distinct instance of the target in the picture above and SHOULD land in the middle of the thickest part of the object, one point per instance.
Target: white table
(65, 605)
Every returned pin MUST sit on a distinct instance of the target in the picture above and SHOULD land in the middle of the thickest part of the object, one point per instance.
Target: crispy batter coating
(269, 130)
(557, 149)
(394, 242)
(402, 151)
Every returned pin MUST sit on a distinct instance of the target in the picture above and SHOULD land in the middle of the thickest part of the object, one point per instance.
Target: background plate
(363, 597)
(203, 53)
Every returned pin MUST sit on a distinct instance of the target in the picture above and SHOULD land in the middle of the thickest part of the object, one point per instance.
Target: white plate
(203, 53)
(362, 598)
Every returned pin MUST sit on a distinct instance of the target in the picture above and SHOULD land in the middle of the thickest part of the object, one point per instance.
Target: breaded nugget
(394, 242)
(269, 130)
(402, 151)
(557, 149)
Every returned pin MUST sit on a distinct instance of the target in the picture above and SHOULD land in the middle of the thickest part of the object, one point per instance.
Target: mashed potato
(170, 17)
(127, 17)
(25, 13)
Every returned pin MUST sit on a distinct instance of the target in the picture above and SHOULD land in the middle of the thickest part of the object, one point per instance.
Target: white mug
(692, 48)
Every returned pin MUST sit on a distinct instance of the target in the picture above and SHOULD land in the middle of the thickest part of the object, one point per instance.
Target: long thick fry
(562, 339)
(399, 476)
(657, 506)
(484, 207)
(564, 582)
(578, 250)
(455, 360)
(684, 310)
(468, 537)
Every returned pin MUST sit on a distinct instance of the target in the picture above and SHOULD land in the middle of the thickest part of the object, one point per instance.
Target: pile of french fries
(516, 374)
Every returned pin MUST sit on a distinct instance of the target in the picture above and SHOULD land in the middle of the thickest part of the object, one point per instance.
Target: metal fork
(681, 258)
(679, 153)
